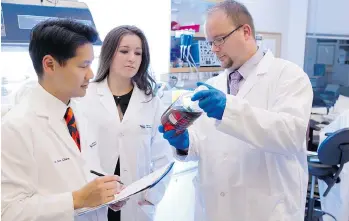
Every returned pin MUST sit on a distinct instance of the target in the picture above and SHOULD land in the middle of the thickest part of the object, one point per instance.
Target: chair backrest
(332, 89)
(334, 150)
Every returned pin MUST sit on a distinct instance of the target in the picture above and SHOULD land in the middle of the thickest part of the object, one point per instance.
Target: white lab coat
(253, 163)
(41, 164)
(337, 200)
(136, 140)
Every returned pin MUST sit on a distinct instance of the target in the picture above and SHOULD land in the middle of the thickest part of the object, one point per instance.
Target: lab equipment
(17, 20)
(181, 114)
(194, 53)
(186, 39)
(203, 55)
(212, 101)
(333, 153)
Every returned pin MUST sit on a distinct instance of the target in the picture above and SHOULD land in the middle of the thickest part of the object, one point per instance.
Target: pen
(99, 174)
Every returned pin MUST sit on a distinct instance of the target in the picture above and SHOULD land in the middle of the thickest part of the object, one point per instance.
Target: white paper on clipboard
(140, 185)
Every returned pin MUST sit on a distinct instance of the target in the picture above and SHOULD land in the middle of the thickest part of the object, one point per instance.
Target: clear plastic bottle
(182, 113)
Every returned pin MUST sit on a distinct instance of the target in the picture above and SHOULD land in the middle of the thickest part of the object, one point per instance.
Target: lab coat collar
(265, 63)
(107, 100)
(102, 87)
(261, 69)
(106, 97)
(103, 90)
(47, 104)
(245, 69)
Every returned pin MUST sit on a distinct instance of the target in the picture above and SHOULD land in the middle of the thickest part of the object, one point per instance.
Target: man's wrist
(77, 200)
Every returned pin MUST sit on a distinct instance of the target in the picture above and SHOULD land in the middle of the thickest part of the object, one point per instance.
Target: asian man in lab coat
(250, 144)
(47, 146)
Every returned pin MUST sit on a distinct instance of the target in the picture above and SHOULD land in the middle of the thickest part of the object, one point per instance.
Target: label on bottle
(172, 119)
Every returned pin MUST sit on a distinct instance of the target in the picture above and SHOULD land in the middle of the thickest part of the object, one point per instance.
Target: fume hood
(18, 17)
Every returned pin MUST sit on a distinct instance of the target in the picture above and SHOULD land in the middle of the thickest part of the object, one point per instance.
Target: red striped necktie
(71, 123)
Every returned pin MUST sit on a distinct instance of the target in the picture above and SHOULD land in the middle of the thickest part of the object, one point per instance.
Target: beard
(227, 63)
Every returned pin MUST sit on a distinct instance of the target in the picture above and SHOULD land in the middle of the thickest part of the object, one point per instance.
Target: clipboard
(140, 185)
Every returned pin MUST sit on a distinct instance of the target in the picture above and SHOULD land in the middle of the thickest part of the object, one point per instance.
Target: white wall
(269, 16)
(297, 25)
(288, 17)
(328, 17)
(109, 14)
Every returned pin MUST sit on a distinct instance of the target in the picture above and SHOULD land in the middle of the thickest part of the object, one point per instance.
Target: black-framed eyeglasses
(220, 40)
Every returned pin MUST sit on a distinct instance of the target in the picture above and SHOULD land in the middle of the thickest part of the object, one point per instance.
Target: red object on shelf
(174, 26)
(196, 28)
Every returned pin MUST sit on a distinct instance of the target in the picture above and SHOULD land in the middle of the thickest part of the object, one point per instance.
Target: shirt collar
(246, 68)
(53, 105)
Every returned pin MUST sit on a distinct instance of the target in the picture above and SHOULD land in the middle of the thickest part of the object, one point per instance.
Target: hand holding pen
(99, 191)
(118, 205)
(100, 174)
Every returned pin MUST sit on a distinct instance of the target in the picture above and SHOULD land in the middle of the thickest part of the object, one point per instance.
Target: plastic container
(182, 113)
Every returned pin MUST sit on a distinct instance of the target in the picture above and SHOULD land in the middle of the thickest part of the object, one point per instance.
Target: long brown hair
(142, 79)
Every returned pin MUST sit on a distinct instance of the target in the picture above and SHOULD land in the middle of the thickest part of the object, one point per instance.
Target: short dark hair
(143, 78)
(237, 12)
(59, 38)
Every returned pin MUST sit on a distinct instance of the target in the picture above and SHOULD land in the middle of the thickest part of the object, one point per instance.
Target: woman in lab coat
(337, 200)
(122, 105)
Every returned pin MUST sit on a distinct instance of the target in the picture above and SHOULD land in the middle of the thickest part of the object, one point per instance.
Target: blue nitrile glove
(179, 141)
(212, 101)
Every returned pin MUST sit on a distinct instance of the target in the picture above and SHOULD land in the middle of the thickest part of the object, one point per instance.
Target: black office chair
(333, 153)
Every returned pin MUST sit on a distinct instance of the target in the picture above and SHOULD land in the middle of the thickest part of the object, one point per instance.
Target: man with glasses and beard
(251, 146)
